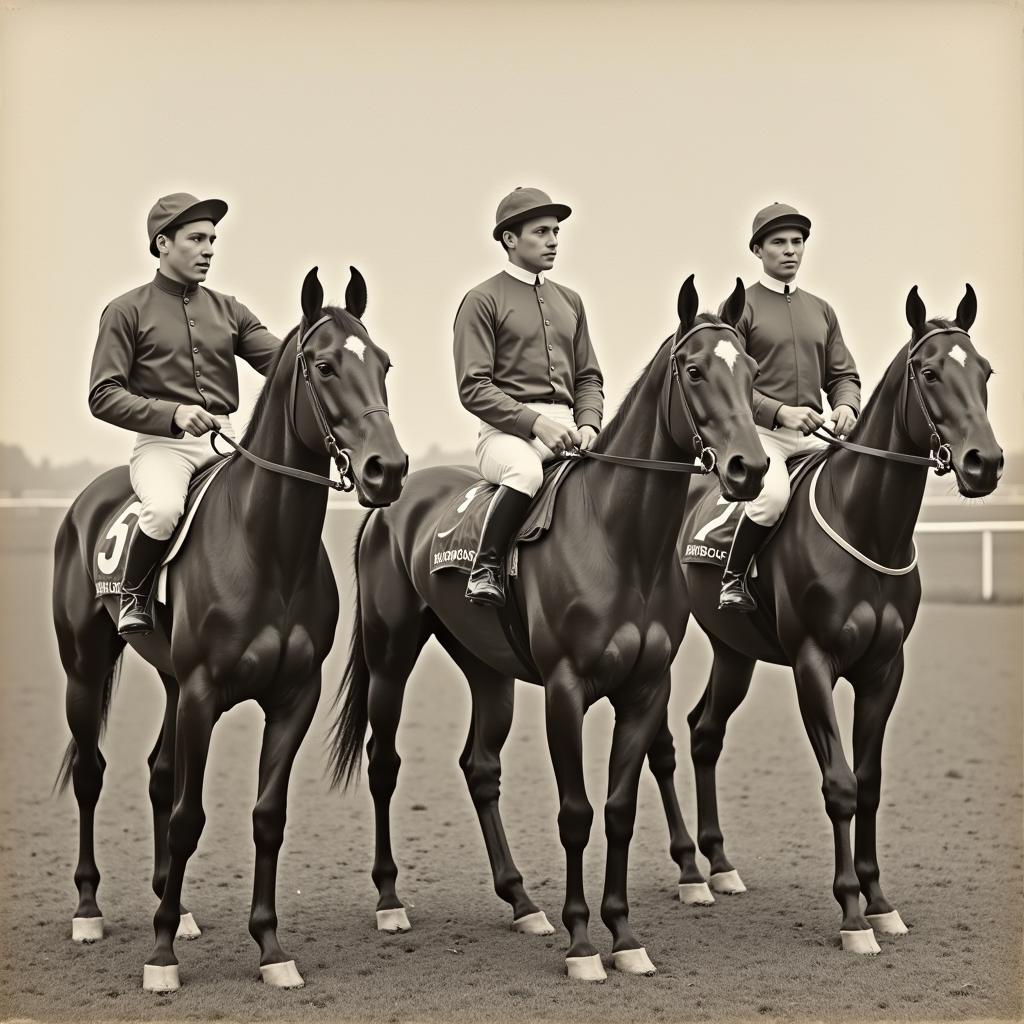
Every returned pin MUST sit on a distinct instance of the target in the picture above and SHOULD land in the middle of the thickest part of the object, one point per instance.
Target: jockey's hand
(799, 417)
(194, 420)
(553, 435)
(845, 419)
(587, 437)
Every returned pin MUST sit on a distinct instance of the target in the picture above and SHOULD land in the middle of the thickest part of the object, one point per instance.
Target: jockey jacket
(168, 344)
(795, 339)
(523, 338)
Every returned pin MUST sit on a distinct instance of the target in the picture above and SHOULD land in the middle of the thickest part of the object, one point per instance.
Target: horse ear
(732, 308)
(355, 294)
(687, 304)
(967, 310)
(916, 316)
(312, 297)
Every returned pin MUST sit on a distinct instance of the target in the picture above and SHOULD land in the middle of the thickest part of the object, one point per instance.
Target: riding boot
(506, 514)
(144, 555)
(746, 543)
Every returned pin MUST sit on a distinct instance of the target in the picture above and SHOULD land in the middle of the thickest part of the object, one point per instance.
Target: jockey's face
(186, 257)
(780, 253)
(534, 250)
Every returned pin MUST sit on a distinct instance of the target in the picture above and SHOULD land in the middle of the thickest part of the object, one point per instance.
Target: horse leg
(661, 758)
(727, 686)
(639, 714)
(564, 707)
(873, 703)
(285, 729)
(491, 720)
(161, 795)
(89, 652)
(198, 711)
(815, 679)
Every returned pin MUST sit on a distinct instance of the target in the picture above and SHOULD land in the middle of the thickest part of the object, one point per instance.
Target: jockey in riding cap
(795, 338)
(527, 370)
(164, 366)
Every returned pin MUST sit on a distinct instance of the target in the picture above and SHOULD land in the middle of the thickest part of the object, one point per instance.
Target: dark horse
(251, 614)
(828, 613)
(600, 595)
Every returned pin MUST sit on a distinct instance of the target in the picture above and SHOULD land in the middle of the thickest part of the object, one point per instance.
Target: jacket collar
(172, 287)
(526, 276)
(777, 286)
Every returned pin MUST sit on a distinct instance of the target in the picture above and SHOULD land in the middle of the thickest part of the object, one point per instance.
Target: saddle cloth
(109, 557)
(458, 528)
(710, 524)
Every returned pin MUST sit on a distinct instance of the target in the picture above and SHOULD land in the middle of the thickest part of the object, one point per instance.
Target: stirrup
(734, 596)
(486, 586)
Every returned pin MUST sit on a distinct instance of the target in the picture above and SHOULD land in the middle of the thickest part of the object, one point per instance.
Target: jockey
(795, 338)
(527, 370)
(164, 366)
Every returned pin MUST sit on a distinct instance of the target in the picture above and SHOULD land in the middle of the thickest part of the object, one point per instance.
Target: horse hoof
(861, 941)
(86, 929)
(585, 968)
(728, 883)
(634, 961)
(888, 924)
(187, 928)
(284, 975)
(695, 894)
(533, 924)
(160, 979)
(393, 920)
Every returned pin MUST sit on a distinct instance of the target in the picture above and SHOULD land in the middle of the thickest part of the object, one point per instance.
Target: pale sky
(383, 134)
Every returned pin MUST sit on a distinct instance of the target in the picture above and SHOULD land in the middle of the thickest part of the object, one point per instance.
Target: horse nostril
(974, 464)
(373, 471)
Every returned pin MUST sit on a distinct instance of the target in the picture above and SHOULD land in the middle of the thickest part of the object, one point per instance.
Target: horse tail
(67, 764)
(349, 727)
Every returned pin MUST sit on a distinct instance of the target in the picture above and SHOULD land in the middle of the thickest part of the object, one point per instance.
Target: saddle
(112, 547)
(710, 523)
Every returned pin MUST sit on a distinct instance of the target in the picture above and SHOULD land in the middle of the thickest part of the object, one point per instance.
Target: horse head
(948, 384)
(344, 406)
(710, 400)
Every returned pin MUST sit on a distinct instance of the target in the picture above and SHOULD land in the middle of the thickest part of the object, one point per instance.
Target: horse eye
(929, 375)
(323, 369)
(693, 373)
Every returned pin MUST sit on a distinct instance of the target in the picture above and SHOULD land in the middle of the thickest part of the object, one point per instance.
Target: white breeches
(161, 469)
(506, 459)
(778, 445)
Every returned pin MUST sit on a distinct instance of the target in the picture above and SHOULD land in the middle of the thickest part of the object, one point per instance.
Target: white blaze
(354, 344)
(957, 353)
(727, 350)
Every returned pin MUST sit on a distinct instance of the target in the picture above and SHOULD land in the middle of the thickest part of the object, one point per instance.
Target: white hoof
(187, 928)
(728, 883)
(284, 975)
(634, 961)
(888, 924)
(861, 941)
(585, 968)
(695, 894)
(160, 979)
(86, 929)
(533, 924)
(393, 920)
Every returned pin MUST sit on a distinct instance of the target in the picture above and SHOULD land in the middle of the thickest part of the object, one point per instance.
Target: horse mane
(614, 426)
(342, 317)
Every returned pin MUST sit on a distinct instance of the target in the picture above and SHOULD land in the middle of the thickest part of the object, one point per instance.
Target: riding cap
(778, 215)
(525, 204)
(180, 208)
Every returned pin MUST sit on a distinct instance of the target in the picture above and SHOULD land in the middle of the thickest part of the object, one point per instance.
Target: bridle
(342, 457)
(940, 455)
(706, 457)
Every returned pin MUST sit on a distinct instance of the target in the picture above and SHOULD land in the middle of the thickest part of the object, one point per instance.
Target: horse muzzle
(978, 470)
(741, 477)
(380, 479)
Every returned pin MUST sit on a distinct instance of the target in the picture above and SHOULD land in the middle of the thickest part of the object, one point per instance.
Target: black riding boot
(506, 514)
(745, 544)
(144, 555)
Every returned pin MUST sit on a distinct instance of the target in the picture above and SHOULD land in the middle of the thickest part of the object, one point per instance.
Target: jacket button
(195, 348)
(540, 300)
(547, 323)
(202, 389)
(552, 369)
(185, 300)
(191, 323)
(550, 348)
(198, 372)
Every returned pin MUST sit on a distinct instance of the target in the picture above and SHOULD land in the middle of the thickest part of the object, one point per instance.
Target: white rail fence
(986, 528)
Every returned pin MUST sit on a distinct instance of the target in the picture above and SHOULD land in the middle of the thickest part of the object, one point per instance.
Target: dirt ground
(950, 840)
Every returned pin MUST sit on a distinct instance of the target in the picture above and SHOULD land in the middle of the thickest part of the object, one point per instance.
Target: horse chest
(632, 654)
(276, 652)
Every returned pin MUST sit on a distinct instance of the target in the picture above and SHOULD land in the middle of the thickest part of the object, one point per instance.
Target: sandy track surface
(950, 843)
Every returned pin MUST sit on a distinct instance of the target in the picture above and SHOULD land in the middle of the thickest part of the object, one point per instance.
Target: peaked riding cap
(778, 215)
(524, 204)
(180, 208)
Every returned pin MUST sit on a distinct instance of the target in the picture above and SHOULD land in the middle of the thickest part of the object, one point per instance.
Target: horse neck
(878, 500)
(641, 511)
(282, 517)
